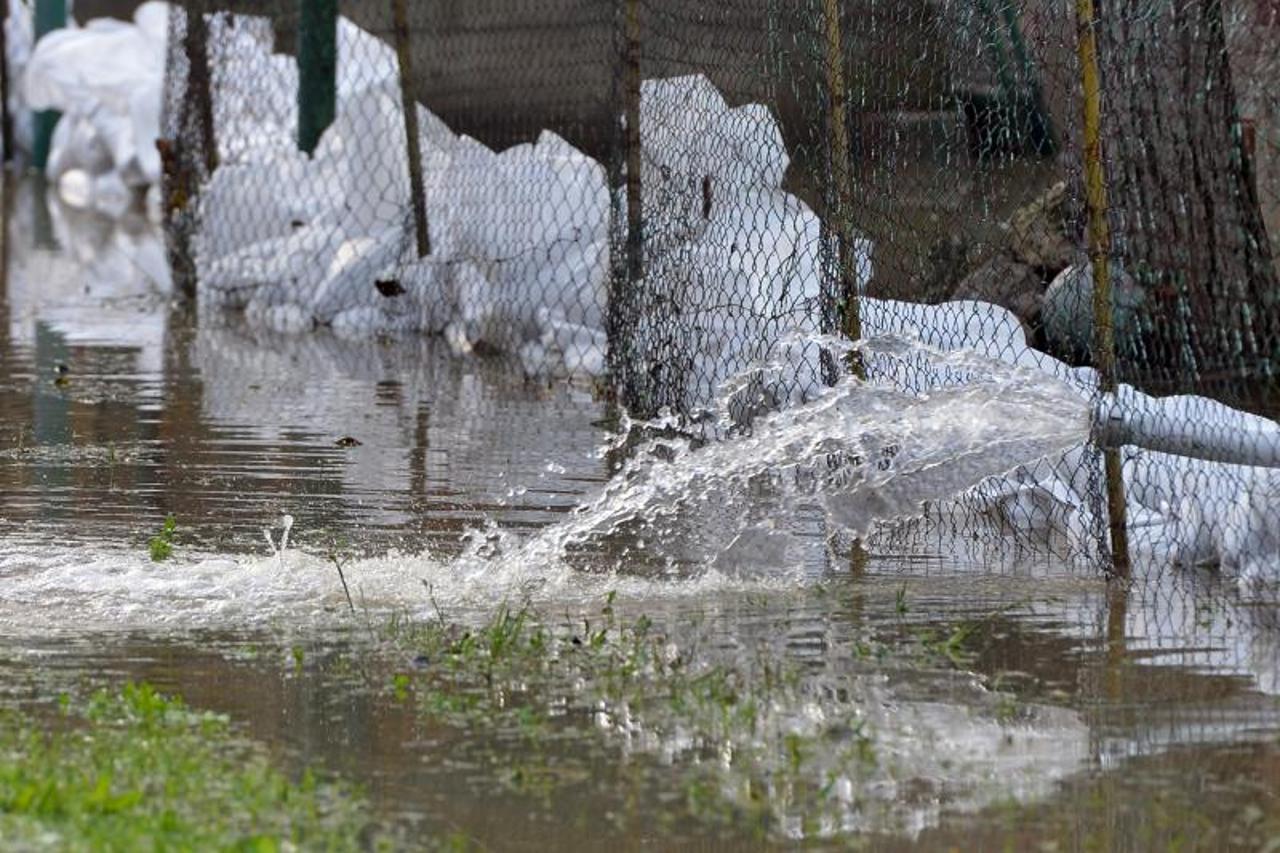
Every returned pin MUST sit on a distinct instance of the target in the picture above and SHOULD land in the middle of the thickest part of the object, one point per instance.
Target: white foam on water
(95, 588)
(750, 511)
(858, 455)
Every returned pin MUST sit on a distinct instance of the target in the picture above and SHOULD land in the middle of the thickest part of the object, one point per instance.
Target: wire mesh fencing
(659, 196)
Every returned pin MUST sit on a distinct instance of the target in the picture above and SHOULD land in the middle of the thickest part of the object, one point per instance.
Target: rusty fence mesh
(654, 196)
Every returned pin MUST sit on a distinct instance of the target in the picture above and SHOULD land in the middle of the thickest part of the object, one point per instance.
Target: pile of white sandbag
(107, 80)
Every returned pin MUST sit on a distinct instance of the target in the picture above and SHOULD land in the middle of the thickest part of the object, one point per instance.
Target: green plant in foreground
(161, 545)
(514, 675)
(900, 601)
(136, 770)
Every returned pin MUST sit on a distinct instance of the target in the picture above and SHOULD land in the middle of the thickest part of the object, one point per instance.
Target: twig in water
(431, 594)
(337, 563)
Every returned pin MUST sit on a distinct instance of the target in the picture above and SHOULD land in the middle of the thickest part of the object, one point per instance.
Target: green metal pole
(1049, 144)
(317, 70)
(1004, 73)
(50, 15)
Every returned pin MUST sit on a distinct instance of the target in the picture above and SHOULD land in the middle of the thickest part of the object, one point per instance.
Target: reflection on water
(157, 414)
(1091, 739)
(1003, 710)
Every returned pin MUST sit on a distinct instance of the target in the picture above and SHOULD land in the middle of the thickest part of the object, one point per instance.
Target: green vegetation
(528, 681)
(749, 738)
(604, 722)
(135, 770)
(161, 545)
(950, 646)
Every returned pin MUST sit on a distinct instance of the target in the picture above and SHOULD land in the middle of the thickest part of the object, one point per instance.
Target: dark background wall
(88, 9)
(502, 70)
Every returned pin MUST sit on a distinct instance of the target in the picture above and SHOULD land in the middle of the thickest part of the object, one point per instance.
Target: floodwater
(895, 702)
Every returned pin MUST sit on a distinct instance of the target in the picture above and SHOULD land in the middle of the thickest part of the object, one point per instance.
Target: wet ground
(895, 704)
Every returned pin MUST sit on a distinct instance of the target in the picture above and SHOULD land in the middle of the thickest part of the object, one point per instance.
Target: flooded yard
(465, 691)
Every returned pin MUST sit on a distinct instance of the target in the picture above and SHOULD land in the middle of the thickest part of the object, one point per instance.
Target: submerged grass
(160, 546)
(754, 741)
(133, 769)
(743, 730)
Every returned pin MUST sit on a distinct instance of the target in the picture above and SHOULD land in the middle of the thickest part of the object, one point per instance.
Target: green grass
(735, 726)
(161, 545)
(135, 770)
(520, 677)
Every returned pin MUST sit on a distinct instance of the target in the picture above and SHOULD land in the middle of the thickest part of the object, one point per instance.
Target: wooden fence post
(842, 178)
(199, 93)
(1104, 349)
(413, 145)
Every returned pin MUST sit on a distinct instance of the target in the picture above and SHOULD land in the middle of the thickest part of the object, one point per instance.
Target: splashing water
(769, 499)
(752, 510)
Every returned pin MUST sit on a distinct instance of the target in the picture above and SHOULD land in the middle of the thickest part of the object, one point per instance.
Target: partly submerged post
(413, 145)
(1117, 646)
(1104, 350)
(50, 15)
(841, 209)
(842, 177)
(317, 70)
(631, 98)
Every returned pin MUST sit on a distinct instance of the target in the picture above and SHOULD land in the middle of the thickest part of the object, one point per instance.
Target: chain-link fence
(658, 195)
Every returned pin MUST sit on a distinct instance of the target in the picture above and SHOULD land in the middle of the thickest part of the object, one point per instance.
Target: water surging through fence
(771, 497)
(736, 507)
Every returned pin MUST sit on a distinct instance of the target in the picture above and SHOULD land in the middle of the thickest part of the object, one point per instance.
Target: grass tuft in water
(136, 770)
(161, 545)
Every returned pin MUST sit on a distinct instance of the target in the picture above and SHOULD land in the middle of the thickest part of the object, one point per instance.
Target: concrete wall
(502, 71)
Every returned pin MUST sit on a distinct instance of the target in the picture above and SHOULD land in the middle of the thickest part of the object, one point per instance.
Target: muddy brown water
(1060, 717)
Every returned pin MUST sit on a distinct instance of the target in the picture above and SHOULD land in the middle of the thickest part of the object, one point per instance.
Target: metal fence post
(842, 178)
(413, 145)
(317, 70)
(50, 15)
(1104, 350)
